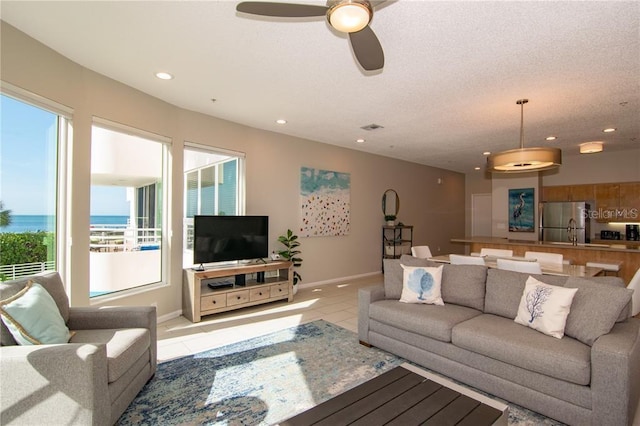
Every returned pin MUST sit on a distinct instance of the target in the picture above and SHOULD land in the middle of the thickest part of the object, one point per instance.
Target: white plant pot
(391, 223)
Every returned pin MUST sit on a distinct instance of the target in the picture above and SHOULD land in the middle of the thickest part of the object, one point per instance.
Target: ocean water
(35, 223)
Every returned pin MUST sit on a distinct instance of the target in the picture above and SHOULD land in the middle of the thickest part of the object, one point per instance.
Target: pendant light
(524, 159)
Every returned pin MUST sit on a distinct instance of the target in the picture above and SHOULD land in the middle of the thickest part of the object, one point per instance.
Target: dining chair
(458, 259)
(519, 266)
(496, 252)
(634, 285)
(552, 258)
(423, 252)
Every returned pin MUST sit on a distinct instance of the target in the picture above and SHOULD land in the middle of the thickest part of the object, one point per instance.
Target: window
(213, 185)
(127, 237)
(34, 134)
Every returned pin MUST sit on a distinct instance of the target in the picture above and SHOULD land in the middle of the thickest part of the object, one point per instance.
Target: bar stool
(606, 267)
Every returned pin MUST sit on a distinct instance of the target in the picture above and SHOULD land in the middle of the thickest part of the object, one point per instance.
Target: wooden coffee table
(405, 395)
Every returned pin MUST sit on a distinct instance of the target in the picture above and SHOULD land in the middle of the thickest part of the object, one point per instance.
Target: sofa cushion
(421, 285)
(504, 290)
(595, 308)
(124, 346)
(464, 285)
(393, 273)
(434, 321)
(504, 340)
(51, 282)
(545, 307)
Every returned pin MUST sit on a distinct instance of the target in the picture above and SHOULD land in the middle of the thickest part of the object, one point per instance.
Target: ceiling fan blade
(367, 49)
(286, 10)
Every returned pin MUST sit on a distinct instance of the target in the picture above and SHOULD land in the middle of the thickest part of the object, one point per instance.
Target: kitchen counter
(628, 255)
(614, 245)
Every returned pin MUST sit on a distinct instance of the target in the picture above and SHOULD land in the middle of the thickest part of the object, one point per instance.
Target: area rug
(267, 379)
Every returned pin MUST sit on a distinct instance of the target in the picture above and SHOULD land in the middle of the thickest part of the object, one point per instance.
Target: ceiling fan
(348, 16)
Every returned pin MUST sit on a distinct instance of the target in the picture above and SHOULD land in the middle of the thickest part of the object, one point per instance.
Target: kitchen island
(617, 252)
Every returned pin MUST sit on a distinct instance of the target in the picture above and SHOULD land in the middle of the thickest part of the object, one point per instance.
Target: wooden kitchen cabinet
(614, 202)
(556, 193)
(607, 196)
(630, 200)
(583, 193)
(568, 193)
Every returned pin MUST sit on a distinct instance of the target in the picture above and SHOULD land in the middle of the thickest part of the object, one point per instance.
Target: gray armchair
(92, 379)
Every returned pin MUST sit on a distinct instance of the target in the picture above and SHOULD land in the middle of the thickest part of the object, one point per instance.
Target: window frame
(63, 176)
(165, 264)
(240, 180)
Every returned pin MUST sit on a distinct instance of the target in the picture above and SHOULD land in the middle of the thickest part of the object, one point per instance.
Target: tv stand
(260, 283)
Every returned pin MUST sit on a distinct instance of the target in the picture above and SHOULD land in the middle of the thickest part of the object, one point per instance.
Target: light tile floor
(335, 303)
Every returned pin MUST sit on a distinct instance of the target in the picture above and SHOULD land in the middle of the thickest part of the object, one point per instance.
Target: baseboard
(169, 316)
(340, 280)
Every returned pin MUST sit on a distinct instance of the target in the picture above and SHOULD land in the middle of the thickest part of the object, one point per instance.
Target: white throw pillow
(421, 285)
(545, 307)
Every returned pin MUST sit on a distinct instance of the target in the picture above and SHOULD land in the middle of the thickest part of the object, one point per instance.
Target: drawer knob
(238, 297)
(214, 302)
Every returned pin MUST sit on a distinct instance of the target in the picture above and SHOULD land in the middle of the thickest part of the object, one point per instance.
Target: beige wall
(273, 164)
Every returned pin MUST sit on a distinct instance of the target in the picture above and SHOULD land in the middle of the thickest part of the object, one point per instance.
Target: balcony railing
(11, 272)
(112, 238)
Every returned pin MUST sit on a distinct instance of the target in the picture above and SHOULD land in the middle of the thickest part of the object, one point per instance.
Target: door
(481, 215)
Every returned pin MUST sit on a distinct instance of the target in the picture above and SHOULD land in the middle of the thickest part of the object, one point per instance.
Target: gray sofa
(589, 377)
(89, 381)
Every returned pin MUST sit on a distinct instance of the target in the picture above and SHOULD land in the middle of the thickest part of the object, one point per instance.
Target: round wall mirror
(390, 203)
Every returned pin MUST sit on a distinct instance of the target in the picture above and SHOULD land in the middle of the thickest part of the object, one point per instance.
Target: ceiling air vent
(372, 127)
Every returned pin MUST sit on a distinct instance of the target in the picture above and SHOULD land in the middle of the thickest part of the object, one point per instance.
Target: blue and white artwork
(420, 282)
(325, 199)
(522, 210)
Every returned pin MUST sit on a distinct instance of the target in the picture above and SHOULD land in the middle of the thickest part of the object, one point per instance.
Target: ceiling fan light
(349, 16)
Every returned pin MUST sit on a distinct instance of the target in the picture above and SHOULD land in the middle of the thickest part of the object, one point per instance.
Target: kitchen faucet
(572, 232)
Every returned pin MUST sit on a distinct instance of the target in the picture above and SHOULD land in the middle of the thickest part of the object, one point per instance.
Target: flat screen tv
(225, 238)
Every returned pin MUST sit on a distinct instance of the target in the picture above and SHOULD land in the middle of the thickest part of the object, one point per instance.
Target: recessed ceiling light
(486, 153)
(476, 168)
(281, 121)
(164, 76)
(360, 140)
(590, 147)
(551, 138)
(609, 130)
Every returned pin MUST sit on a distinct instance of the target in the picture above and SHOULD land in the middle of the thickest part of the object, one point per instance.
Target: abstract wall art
(325, 199)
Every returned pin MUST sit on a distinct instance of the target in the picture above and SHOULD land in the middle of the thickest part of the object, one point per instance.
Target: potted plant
(391, 219)
(291, 253)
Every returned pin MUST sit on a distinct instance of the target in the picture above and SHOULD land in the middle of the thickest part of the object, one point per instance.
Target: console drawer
(237, 297)
(214, 301)
(259, 293)
(278, 290)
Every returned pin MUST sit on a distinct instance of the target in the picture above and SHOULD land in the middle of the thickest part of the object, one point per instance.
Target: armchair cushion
(124, 347)
(32, 317)
(51, 282)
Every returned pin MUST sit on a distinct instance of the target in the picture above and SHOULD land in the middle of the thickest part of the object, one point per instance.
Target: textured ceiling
(453, 70)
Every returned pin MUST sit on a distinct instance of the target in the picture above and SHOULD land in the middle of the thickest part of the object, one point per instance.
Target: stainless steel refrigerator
(564, 222)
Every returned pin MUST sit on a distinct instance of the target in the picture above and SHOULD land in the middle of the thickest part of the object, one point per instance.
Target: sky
(27, 164)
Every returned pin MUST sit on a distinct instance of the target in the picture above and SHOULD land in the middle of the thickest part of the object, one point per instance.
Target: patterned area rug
(267, 379)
